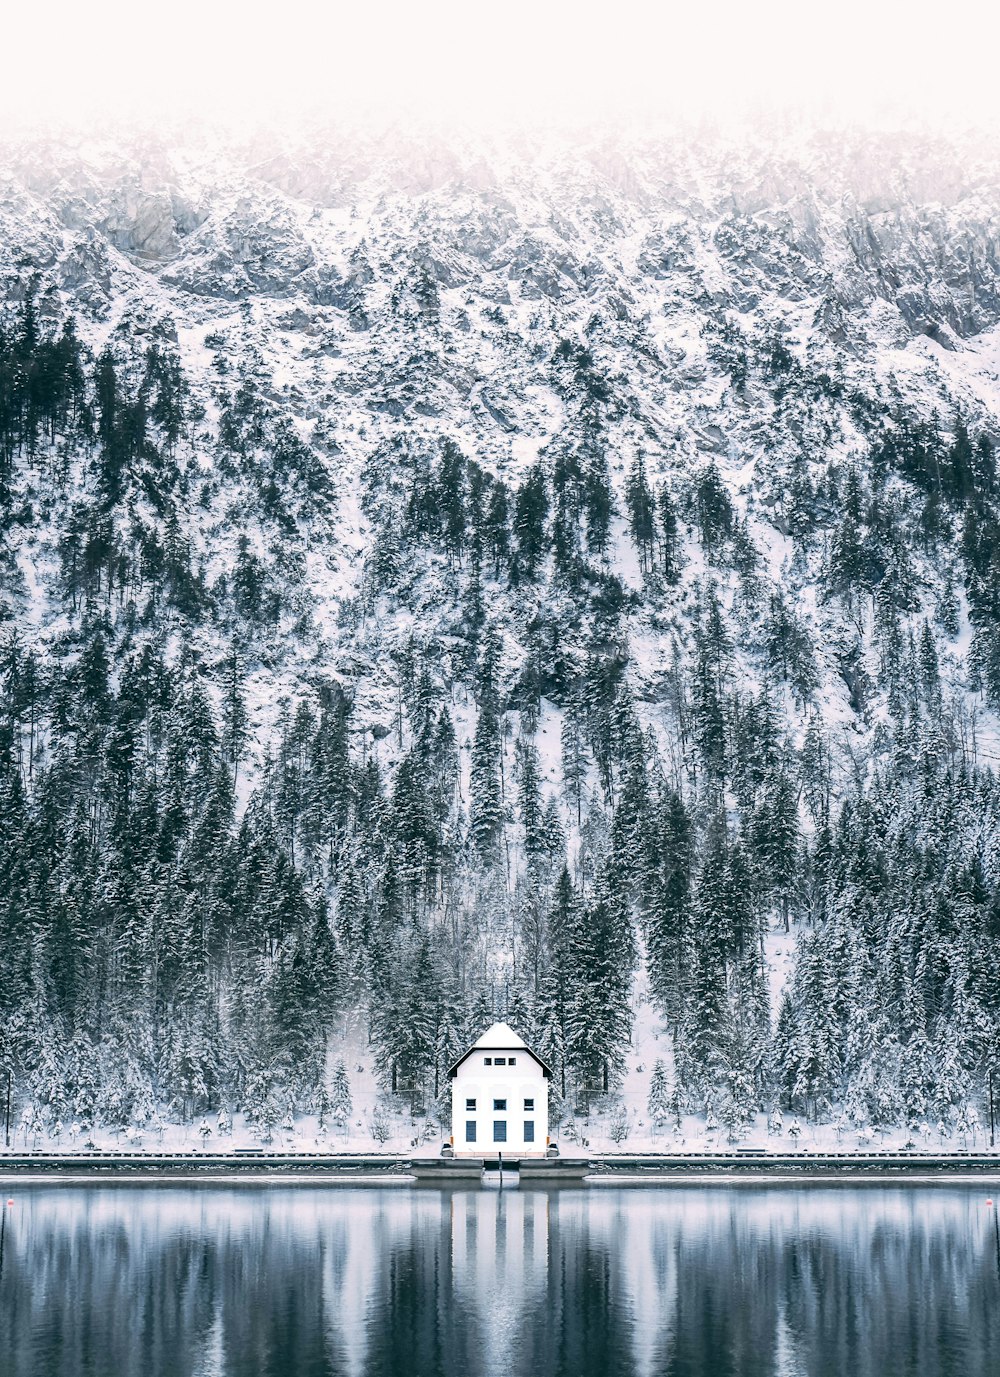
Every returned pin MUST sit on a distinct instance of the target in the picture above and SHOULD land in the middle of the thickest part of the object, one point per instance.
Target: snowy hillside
(537, 579)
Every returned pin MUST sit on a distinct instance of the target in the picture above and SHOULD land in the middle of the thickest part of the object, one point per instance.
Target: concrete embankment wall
(380, 1168)
(804, 1165)
(610, 1169)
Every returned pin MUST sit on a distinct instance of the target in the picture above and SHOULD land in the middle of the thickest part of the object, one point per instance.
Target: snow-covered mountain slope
(386, 291)
(689, 441)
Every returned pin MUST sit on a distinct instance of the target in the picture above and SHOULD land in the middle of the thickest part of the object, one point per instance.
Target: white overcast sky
(513, 58)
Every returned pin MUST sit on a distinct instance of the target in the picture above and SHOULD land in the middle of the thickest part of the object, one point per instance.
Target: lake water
(257, 1281)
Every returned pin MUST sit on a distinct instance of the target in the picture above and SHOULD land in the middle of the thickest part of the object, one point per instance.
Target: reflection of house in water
(499, 1269)
(499, 1242)
(411, 1274)
(500, 1281)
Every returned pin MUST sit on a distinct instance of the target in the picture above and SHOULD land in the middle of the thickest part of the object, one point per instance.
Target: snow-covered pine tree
(658, 1102)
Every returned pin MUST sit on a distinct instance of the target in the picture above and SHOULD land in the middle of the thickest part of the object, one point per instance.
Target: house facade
(499, 1098)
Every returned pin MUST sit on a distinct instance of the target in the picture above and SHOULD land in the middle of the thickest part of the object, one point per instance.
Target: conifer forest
(425, 601)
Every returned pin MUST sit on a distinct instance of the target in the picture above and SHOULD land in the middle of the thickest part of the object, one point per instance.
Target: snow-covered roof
(500, 1037)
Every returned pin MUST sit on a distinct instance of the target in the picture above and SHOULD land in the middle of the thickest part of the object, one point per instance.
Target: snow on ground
(593, 1127)
(420, 1137)
(590, 1130)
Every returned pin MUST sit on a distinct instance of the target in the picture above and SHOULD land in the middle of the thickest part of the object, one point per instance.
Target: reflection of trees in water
(192, 1283)
(818, 1282)
(350, 1283)
(915, 1292)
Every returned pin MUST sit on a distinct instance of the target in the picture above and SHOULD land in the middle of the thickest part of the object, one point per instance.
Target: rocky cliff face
(858, 219)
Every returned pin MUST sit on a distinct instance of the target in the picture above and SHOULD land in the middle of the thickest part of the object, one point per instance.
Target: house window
(470, 1130)
(529, 1130)
(499, 1061)
(528, 1104)
(499, 1130)
(512, 1062)
(500, 1104)
(471, 1104)
(487, 1061)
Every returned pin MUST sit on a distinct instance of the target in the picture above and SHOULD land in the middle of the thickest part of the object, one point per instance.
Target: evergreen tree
(641, 511)
(658, 1103)
(574, 753)
(668, 933)
(529, 797)
(531, 509)
(341, 1103)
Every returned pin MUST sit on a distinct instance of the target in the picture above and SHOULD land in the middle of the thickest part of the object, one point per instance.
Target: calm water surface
(248, 1281)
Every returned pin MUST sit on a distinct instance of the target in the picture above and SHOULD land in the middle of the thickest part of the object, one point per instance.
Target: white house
(500, 1098)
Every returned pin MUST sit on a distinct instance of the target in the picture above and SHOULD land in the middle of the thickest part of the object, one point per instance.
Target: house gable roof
(500, 1038)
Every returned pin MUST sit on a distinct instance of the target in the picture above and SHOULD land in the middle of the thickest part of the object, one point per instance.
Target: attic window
(512, 1062)
(487, 1061)
(500, 1061)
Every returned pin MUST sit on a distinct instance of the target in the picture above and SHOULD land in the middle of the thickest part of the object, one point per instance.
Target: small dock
(515, 1171)
(445, 1171)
